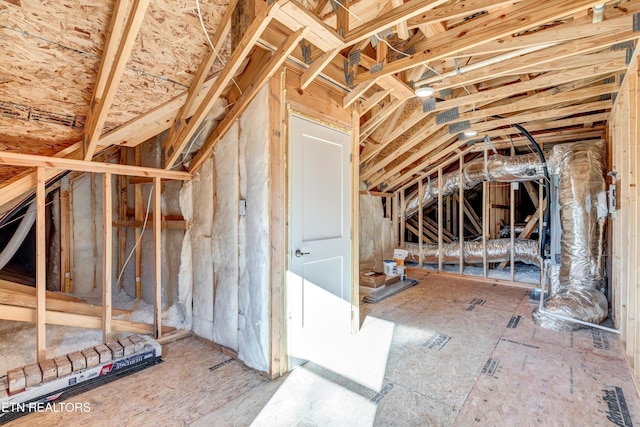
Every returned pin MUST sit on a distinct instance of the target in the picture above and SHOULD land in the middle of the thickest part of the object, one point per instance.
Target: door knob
(299, 253)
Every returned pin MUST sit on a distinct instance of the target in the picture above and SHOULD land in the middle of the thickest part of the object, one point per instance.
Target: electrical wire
(206, 34)
(349, 11)
(144, 225)
(435, 71)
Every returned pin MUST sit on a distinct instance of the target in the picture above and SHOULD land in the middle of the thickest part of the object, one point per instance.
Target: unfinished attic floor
(454, 353)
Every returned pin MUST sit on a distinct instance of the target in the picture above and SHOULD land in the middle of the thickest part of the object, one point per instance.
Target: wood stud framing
(557, 79)
(41, 267)
(107, 254)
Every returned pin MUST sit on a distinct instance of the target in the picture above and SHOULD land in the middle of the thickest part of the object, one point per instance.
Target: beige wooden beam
(107, 254)
(428, 160)
(277, 184)
(222, 31)
(401, 28)
(561, 55)
(370, 125)
(316, 68)
(396, 16)
(484, 29)
(26, 314)
(157, 258)
(167, 225)
(242, 103)
(571, 30)
(181, 132)
(10, 297)
(41, 267)
(65, 236)
(543, 81)
(355, 223)
(111, 71)
(31, 160)
(296, 17)
(373, 101)
(28, 290)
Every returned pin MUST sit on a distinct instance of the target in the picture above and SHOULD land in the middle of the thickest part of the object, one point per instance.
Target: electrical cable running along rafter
(211, 44)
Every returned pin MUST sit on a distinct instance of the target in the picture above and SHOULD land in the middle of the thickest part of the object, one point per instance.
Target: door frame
(355, 216)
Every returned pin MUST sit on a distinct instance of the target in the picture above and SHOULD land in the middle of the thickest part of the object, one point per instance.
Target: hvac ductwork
(498, 168)
(583, 211)
(18, 237)
(498, 250)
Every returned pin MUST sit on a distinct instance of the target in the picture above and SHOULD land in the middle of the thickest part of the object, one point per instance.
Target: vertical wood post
(512, 224)
(65, 225)
(277, 227)
(541, 210)
(420, 222)
(440, 219)
(41, 266)
(461, 213)
(355, 219)
(395, 211)
(157, 257)
(107, 255)
(484, 228)
(139, 215)
(402, 218)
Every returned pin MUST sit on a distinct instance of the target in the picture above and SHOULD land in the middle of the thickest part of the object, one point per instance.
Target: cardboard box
(371, 279)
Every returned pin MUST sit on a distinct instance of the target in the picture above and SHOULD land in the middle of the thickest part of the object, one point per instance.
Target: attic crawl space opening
(240, 170)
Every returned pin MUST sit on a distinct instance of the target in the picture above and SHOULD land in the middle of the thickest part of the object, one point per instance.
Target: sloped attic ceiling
(50, 56)
(552, 65)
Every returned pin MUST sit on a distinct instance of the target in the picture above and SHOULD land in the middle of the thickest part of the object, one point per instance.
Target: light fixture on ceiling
(470, 133)
(424, 91)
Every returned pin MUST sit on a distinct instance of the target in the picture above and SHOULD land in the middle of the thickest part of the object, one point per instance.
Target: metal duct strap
(583, 212)
(498, 250)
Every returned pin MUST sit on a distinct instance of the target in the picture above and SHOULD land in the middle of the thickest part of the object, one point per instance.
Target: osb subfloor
(463, 353)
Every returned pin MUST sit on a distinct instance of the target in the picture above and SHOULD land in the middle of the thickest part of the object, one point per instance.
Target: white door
(319, 282)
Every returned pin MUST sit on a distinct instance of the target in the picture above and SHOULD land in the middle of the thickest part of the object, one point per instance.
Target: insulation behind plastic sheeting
(376, 234)
(171, 251)
(498, 250)
(202, 251)
(185, 275)
(581, 169)
(499, 168)
(253, 333)
(150, 156)
(225, 241)
(86, 266)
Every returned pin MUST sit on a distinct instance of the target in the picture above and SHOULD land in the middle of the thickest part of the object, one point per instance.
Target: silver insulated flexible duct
(498, 250)
(583, 211)
(526, 167)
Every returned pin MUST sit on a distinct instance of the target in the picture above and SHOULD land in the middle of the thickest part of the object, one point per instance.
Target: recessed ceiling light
(470, 133)
(424, 91)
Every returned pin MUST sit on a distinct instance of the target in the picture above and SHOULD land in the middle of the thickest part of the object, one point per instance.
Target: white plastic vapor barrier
(376, 234)
(254, 235)
(227, 263)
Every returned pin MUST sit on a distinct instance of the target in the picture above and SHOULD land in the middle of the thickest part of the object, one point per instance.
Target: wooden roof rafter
(114, 60)
(423, 159)
(484, 29)
(181, 132)
(221, 34)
